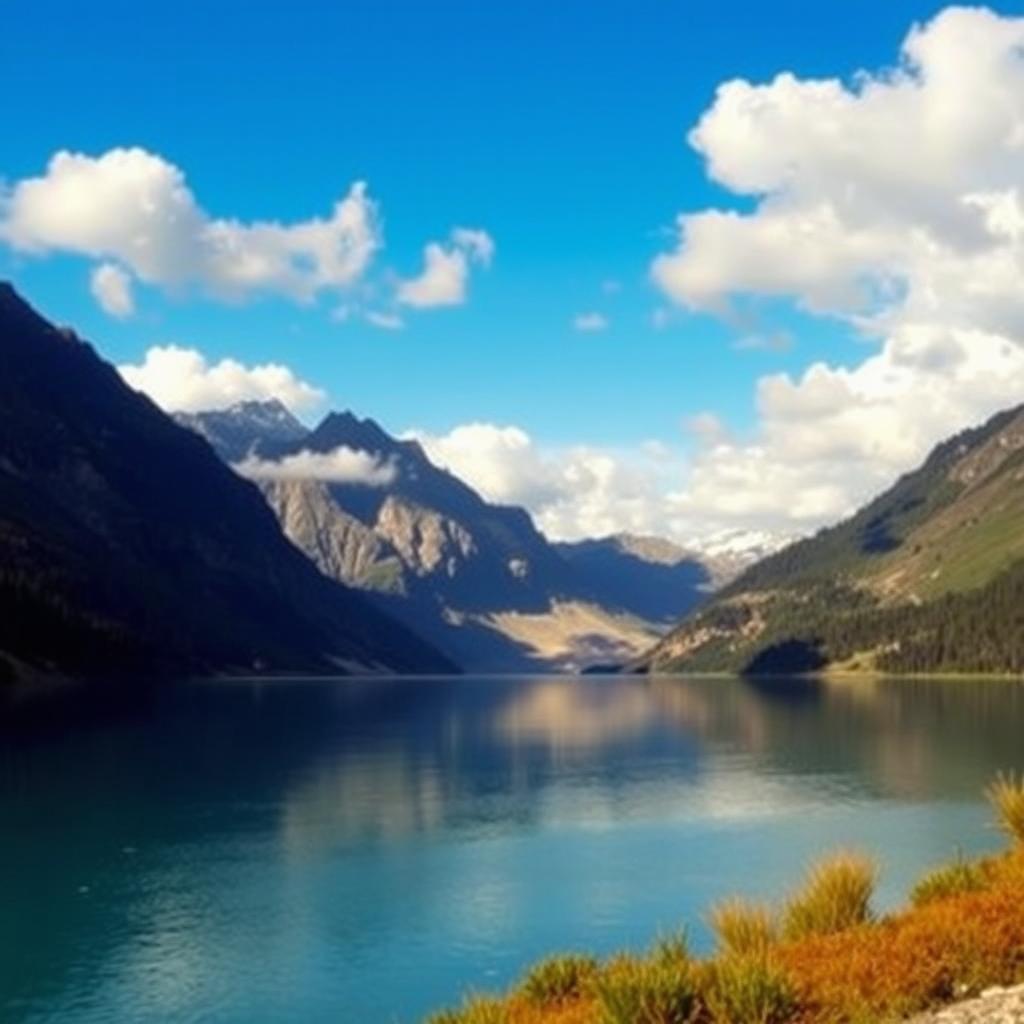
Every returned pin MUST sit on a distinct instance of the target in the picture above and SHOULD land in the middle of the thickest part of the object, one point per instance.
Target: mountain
(478, 579)
(726, 553)
(126, 545)
(651, 578)
(246, 428)
(927, 577)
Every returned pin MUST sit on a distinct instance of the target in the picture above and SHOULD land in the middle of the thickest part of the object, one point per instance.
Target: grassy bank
(822, 956)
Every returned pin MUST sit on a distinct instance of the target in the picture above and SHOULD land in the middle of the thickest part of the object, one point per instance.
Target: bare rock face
(340, 545)
(426, 541)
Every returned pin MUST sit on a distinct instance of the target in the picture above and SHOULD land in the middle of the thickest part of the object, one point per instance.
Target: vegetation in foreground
(822, 957)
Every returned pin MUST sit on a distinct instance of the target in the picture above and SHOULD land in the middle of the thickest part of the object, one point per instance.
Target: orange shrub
(911, 962)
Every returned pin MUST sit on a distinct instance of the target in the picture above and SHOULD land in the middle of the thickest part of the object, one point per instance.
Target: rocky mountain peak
(346, 429)
(252, 427)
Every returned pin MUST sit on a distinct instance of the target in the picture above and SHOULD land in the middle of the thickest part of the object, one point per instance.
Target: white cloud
(475, 243)
(572, 492)
(135, 207)
(707, 428)
(343, 465)
(589, 322)
(895, 204)
(445, 276)
(112, 289)
(182, 380)
(897, 199)
(385, 321)
(832, 438)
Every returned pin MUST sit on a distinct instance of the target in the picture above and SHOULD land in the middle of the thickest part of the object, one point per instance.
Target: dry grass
(476, 1010)
(743, 928)
(835, 895)
(749, 989)
(558, 978)
(952, 879)
(1006, 795)
(646, 991)
(914, 961)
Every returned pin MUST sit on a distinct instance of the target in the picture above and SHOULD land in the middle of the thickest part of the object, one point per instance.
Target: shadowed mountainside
(127, 545)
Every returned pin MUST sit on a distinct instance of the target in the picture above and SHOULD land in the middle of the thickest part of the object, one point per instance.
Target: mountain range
(128, 547)
(927, 577)
(240, 540)
(475, 578)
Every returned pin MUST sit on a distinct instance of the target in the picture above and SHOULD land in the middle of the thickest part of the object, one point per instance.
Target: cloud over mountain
(183, 380)
(343, 465)
(572, 492)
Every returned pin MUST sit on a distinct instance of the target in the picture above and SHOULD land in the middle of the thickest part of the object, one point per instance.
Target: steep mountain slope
(923, 577)
(246, 428)
(478, 579)
(126, 544)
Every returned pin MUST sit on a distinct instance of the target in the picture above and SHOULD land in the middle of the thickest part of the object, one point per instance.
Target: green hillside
(927, 577)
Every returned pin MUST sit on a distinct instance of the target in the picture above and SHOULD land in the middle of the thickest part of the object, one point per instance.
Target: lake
(362, 851)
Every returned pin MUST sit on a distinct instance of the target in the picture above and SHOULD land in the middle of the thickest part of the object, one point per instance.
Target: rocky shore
(993, 1006)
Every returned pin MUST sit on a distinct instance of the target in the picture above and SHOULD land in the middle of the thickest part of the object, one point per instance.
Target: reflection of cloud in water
(571, 715)
(359, 797)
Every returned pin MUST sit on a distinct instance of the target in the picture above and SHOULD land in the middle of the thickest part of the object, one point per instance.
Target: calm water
(357, 852)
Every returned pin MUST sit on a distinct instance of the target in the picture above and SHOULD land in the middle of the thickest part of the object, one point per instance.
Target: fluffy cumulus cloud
(111, 287)
(135, 207)
(895, 199)
(894, 203)
(183, 380)
(343, 465)
(444, 280)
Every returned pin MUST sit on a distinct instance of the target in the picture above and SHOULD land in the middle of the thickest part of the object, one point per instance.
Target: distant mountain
(246, 428)
(651, 578)
(727, 553)
(927, 577)
(126, 545)
(478, 579)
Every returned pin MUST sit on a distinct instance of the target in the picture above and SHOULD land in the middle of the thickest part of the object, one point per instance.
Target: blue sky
(559, 128)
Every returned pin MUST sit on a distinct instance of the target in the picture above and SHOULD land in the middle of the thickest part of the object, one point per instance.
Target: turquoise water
(360, 852)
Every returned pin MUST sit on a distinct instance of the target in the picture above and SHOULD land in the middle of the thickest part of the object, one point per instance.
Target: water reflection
(362, 850)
